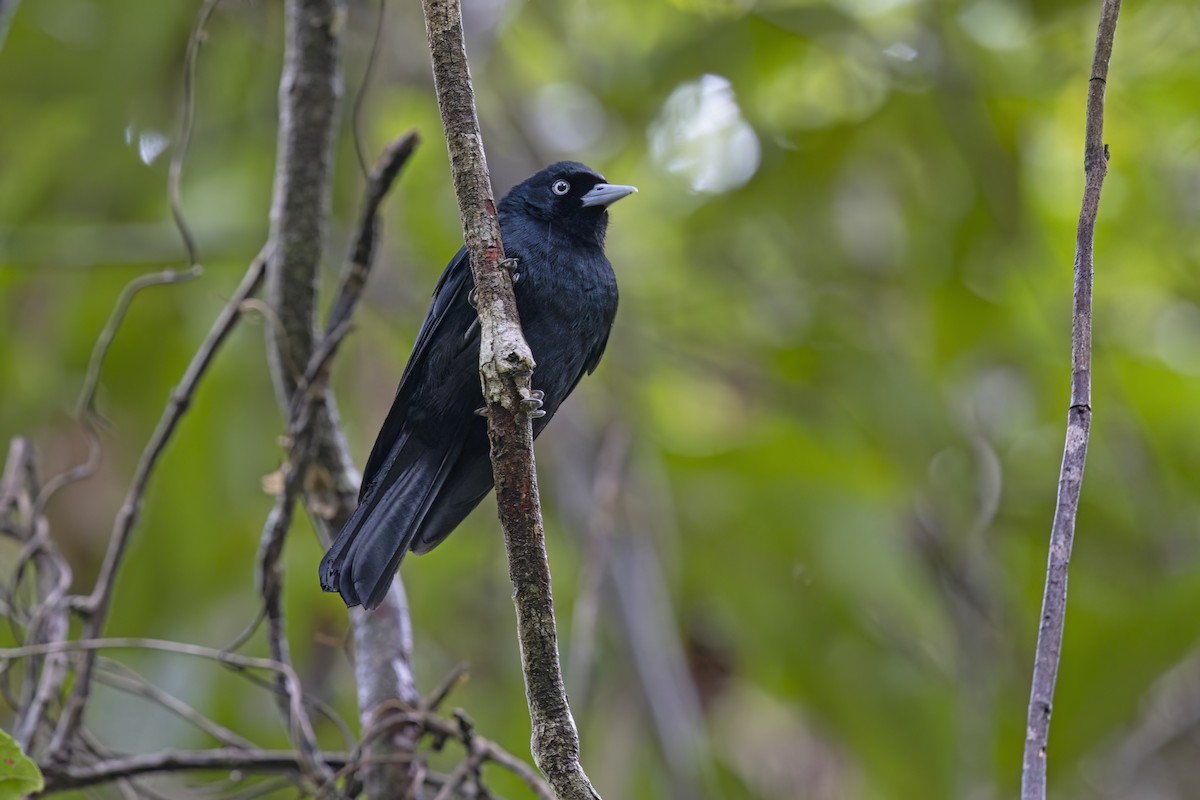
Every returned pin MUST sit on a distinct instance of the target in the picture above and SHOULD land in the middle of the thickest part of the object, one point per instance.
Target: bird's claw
(481, 412)
(511, 265)
(534, 403)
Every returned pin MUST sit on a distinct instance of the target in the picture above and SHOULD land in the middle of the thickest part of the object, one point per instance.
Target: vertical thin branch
(271, 586)
(505, 365)
(1079, 419)
(309, 96)
(47, 620)
(310, 91)
(382, 662)
(382, 638)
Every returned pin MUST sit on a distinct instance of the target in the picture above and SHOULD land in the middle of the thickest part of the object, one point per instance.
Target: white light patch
(901, 51)
(700, 134)
(151, 145)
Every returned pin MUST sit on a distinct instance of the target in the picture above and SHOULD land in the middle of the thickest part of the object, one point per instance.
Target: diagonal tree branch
(95, 605)
(362, 251)
(505, 365)
(1079, 420)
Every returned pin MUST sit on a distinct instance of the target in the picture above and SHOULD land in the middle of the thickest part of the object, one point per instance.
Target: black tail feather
(367, 552)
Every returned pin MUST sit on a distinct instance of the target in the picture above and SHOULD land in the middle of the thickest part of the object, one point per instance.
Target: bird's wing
(589, 366)
(593, 358)
(451, 291)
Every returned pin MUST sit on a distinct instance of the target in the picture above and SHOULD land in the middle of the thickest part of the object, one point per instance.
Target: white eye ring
(560, 187)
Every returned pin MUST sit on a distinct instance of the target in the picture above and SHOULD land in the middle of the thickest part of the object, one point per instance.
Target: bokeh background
(798, 518)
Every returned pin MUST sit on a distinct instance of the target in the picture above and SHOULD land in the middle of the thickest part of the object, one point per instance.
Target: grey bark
(1079, 421)
(310, 94)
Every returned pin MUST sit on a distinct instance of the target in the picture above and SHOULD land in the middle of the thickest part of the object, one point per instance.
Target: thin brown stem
(228, 758)
(1079, 419)
(95, 605)
(505, 366)
(362, 251)
(124, 678)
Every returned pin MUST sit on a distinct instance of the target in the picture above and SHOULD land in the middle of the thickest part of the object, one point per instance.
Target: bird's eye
(560, 187)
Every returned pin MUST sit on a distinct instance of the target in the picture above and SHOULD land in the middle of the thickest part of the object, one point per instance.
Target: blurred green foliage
(842, 355)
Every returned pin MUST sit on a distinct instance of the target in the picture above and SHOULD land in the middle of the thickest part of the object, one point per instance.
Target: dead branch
(362, 252)
(1079, 420)
(48, 618)
(309, 94)
(227, 758)
(396, 716)
(95, 606)
(126, 679)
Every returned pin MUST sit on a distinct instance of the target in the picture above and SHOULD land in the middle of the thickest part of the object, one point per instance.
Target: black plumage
(430, 466)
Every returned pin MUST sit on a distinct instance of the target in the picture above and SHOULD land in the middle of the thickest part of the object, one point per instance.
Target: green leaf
(19, 776)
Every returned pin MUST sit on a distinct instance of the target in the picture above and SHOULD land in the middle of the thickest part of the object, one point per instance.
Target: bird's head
(569, 196)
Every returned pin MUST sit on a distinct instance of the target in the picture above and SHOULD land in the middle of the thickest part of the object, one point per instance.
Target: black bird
(430, 466)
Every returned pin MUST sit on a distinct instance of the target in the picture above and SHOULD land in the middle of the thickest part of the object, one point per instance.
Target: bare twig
(175, 176)
(18, 473)
(456, 678)
(78, 472)
(362, 251)
(160, 645)
(459, 776)
(48, 623)
(91, 381)
(48, 618)
(430, 723)
(299, 726)
(505, 365)
(95, 605)
(228, 758)
(300, 433)
(1079, 418)
(120, 676)
(360, 97)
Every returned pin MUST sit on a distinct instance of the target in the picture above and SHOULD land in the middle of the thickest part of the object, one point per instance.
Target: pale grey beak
(605, 194)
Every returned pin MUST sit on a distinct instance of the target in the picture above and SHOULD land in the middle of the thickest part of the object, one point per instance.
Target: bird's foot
(481, 412)
(511, 265)
(533, 401)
